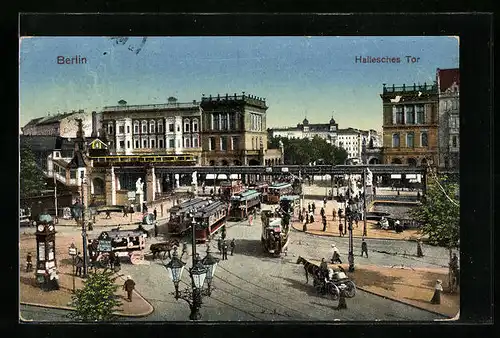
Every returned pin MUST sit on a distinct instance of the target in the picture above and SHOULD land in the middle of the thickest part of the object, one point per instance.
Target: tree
(97, 300)
(439, 213)
(31, 178)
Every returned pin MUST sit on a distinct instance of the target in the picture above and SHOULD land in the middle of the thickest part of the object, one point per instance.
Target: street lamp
(349, 214)
(201, 270)
(84, 231)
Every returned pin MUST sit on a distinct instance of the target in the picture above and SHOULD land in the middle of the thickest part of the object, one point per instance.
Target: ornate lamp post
(84, 232)
(201, 270)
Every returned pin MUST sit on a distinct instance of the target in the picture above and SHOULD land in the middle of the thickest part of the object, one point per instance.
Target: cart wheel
(333, 291)
(350, 289)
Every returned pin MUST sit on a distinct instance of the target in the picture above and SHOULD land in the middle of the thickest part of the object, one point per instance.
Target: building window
(420, 114)
(195, 126)
(136, 128)
(110, 129)
(187, 143)
(121, 129)
(171, 127)
(195, 142)
(216, 122)
(424, 142)
(111, 144)
(160, 143)
(128, 129)
(152, 143)
(121, 145)
(178, 128)
(399, 115)
(128, 144)
(171, 143)
(410, 138)
(186, 126)
(160, 128)
(211, 143)
(237, 121)
(224, 122)
(454, 141)
(410, 115)
(235, 143)
(178, 143)
(144, 128)
(212, 122)
(72, 174)
(137, 144)
(145, 143)
(395, 140)
(152, 127)
(223, 143)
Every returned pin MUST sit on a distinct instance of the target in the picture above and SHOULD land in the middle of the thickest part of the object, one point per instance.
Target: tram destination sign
(104, 246)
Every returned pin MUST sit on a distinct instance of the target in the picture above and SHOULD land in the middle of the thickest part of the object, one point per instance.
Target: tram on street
(243, 204)
(123, 243)
(209, 219)
(179, 215)
(290, 204)
(262, 187)
(229, 188)
(277, 190)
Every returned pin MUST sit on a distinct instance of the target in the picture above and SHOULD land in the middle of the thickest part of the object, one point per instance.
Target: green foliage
(97, 300)
(439, 216)
(305, 151)
(31, 178)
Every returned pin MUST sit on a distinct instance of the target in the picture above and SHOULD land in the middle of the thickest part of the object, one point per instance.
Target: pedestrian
(301, 217)
(322, 212)
(212, 192)
(364, 248)
(438, 288)
(308, 207)
(129, 286)
(356, 220)
(324, 223)
(304, 226)
(155, 214)
(144, 207)
(340, 214)
(108, 214)
(224, 250)
(223, 232)
(232, 245)
(156, 229)
(250, 219)
(324, 202)
(311, 217)
(335, 255)
(161, 209)
(90, 226)
(341, 229)
(219, 245)
(323, 267)
(184, 249)
(112, 259)
(125, 211)
(218, 191)
(78, 264)
(334, 214)
(29, 264)
(313, 206)
(419, 249)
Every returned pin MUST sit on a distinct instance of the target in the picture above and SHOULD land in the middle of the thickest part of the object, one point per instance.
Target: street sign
(104, 246)
(72, 251)
(131, 195)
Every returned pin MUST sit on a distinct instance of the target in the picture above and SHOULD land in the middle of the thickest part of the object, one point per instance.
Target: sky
(314, 77)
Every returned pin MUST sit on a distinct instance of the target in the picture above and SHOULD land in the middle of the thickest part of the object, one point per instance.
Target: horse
(309, 268)
(164, 247)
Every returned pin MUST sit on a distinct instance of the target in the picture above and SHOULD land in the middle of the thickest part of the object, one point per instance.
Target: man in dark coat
(308, 207)
(341, 229)
(78, 264)
(219, 245)
(224, 250)
(364, 248)
(313, 207)
(155, 214)
(129, 286)
(324, 223)
(232, 245)
(125, 211)
(184, 249)
(322, 212)
(29, 264)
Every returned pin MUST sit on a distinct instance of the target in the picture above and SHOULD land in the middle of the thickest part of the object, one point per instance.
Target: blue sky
(298, 76)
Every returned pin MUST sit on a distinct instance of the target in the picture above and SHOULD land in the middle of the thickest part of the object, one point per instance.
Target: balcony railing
(410, 88)
(151, 106)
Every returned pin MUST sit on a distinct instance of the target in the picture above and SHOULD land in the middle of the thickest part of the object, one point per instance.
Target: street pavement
(252, 286)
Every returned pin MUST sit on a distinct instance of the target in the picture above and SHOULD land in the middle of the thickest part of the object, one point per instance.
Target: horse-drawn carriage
(328, 281)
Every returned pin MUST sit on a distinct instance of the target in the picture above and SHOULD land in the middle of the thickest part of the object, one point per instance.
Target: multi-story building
(234, 131)
(64, 125)
(410, 124)
(448, 81)
(172, 128)
(327, 131)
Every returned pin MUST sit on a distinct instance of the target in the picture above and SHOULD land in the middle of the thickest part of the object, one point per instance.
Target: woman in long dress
(436, 298)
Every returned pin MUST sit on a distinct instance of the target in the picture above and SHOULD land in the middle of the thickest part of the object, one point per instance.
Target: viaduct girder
(376, 169)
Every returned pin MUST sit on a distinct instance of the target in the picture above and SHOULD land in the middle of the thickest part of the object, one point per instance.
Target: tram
(179, 219)
(275, 232)
(261, 187)
(123, 243)
(186, 159)
(290, 204)
(277, 190)
(243, 204)
(229, 188)
(209, 219)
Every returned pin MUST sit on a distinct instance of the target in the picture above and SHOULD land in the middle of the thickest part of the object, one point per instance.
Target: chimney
(94, 125)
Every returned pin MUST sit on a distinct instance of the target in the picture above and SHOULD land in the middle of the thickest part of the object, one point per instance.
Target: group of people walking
(223, 247)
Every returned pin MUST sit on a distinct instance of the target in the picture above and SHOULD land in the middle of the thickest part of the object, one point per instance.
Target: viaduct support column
(110, 183)
(150, 185)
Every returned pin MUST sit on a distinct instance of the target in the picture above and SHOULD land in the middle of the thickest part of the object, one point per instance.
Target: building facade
(448, 81)
(172, 128)
(64, 125)
(234, 131)
(410, 124)
(327, 131)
